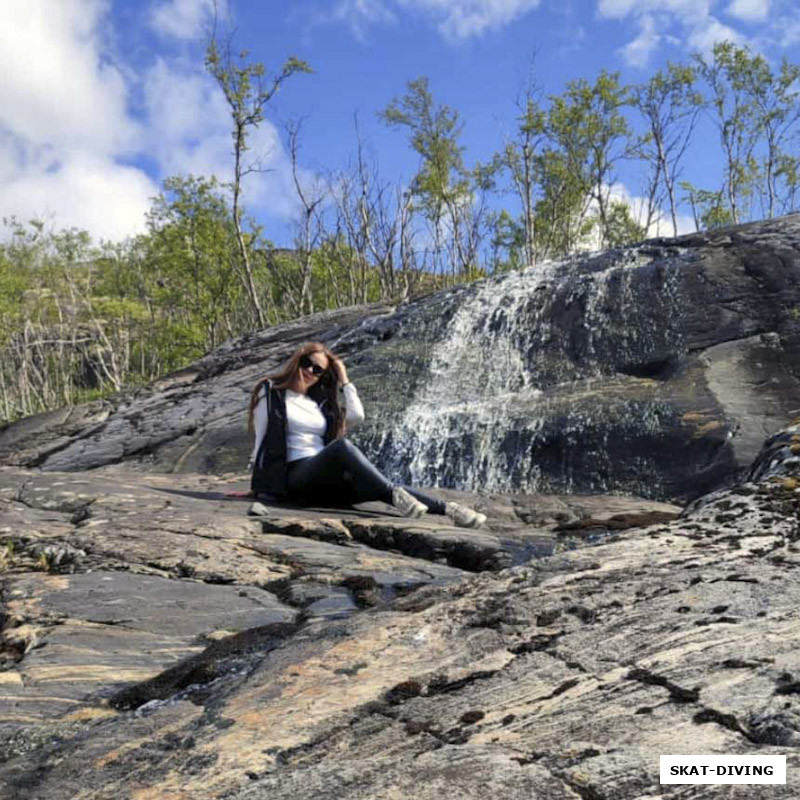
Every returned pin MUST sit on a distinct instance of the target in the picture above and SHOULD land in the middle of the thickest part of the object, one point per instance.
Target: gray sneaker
(464, 517)
(407, 504)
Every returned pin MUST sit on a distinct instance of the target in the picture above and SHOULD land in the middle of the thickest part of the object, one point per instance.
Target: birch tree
(518, 157)
(248, 88)
(588, 128)
(670, 106)
(441, 184)
(735, 115)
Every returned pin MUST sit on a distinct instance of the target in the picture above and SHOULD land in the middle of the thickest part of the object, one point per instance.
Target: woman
(300, 451)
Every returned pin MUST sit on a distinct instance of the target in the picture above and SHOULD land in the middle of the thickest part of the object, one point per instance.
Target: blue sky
(102, 99)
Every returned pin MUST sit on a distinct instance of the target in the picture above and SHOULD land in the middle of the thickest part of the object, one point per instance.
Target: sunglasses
(307, 363)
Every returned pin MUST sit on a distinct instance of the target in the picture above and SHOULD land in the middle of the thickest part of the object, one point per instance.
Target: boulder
(157, 641)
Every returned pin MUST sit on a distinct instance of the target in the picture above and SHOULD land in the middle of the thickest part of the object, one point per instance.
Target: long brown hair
(326, 388)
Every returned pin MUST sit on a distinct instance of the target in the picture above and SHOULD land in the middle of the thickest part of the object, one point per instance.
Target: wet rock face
(656, 370)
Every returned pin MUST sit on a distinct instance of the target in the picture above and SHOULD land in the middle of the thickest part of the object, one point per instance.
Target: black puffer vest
(269, 469)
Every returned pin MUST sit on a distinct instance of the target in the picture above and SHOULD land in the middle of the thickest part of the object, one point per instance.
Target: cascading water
(461, 410)
(514, 346)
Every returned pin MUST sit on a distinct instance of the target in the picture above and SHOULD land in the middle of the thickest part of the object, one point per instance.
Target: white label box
(723, 769)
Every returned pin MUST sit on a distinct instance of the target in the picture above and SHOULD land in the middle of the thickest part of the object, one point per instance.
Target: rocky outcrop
(158, 641)
(563, 677)
(656, 370)
(108, 578)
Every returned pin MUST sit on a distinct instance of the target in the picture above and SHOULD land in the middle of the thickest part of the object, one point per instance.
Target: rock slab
(565, 677)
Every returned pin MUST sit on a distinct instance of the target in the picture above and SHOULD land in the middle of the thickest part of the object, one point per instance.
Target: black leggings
(340, 475)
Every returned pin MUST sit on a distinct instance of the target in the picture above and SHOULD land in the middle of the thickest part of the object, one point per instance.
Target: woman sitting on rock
(300, 452)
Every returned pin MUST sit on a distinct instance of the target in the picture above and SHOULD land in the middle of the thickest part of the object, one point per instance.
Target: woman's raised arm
(354, 411)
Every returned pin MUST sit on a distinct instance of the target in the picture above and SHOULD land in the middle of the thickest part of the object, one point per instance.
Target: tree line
(80, 320)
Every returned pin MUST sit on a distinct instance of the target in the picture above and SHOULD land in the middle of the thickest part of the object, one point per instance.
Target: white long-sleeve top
(305, 423)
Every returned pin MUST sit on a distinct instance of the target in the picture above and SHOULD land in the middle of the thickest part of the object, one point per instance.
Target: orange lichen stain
(158, 793)
(113, 755)
(128, 747)
(281, 708)
(56, 582)
(84, 673)
(282, 711)
(89, 713)
(286, 709)
(708, 427)
(42, 699)
(694, 417)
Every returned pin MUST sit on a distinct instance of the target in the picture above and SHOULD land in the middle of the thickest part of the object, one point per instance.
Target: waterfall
(451, 430)
(516, 353)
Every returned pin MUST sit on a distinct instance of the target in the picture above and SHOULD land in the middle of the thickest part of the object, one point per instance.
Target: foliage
(621, 228)
(729, 75)
(509, 246)
(248, 89)
(13, 287)
(562, 224)
(708, 207)
(434, 133)
(670, 105)
(80, 320)
(187, 266)
(587, 125)
(519, 158)
(449, 194)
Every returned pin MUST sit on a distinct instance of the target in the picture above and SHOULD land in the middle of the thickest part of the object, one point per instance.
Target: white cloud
(55, 87)
(456, 20)
(189, 122)
(749, 10)
(637, 52)
(686, 10)
(704, 36)
(461, 19)
(190, 133)
(184, 19)
(789, 33)
(574, 39)
(93, 194)
(69, 140)
(64, 126)
(359, 15)
(661, 224)
(660, 21)
(616, 9)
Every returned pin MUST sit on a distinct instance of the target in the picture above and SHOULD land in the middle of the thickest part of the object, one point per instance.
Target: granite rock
(563, 677)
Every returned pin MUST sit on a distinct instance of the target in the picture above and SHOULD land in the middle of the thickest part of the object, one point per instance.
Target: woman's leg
(435, 505)
(342, 475)
(340, 468)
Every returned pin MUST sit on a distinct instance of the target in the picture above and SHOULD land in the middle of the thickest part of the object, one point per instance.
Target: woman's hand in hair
(339, 370)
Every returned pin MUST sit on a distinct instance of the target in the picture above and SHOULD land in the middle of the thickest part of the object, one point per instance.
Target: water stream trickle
(474, 419)
(476, 375)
